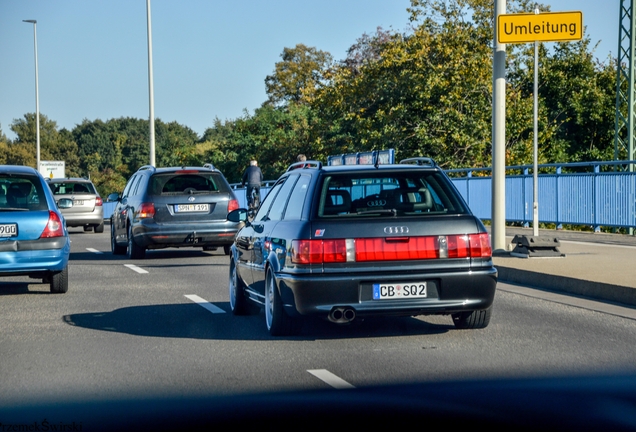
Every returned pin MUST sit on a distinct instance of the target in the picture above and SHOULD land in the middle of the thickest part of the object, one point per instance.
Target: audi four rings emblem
(191, 199)
(396, 230)
(376, 203)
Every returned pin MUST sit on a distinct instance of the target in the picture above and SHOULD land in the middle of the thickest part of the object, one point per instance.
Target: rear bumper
(157, 236)
(96, 217)
(448, 292)
(34, 257)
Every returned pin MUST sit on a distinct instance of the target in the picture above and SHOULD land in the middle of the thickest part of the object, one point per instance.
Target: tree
(297, 76)
(54, 144)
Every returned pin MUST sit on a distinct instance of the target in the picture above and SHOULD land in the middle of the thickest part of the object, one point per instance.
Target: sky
(210, 57)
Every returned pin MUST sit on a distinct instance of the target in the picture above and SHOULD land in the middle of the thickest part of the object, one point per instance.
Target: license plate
(184, 208)
(395, 291)
(8, 230)
(78, 202)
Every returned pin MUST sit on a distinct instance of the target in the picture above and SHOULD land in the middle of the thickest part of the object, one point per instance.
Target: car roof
(318, 167)
(19, 169)
(69, 179)
(153, 170)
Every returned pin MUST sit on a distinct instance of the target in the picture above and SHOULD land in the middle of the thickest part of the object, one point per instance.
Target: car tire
(239, 304)
(114, 247)
(277, 321)
(226, 249)
(59, 281)
(472, 320)
(134, 250)
(99, 228)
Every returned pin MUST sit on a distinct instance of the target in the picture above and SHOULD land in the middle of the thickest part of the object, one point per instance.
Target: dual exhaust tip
(342, 315)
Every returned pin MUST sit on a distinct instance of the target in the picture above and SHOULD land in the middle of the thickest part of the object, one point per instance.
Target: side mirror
(64, 203)
(113, 197)
(238, 215)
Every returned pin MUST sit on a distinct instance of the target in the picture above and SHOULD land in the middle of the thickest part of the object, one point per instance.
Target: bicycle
(253, 200)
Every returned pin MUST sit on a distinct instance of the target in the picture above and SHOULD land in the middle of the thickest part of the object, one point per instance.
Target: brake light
(186, 171)
(232, 205)
(390, 249)
(145, 210)
(480, 245)
(54, 227)
(98, 202)
(318, 251)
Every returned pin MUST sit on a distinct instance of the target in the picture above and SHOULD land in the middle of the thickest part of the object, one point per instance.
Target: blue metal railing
(597, 198)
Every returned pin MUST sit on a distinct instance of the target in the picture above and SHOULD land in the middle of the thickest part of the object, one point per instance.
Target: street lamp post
(37, 97)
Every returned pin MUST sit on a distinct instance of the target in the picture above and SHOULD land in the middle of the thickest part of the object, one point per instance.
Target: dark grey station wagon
(343, 242)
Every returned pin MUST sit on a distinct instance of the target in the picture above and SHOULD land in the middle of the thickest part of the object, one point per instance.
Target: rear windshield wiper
(14, 209)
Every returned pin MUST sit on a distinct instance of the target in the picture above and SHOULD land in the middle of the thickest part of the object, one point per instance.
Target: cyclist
(253, 177)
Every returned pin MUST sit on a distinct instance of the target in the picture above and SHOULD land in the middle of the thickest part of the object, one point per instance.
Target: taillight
(318, 251)
(480, 245)
(390, 249)
(54, 227)
(232, 205)
(98, 202)
(145, 210)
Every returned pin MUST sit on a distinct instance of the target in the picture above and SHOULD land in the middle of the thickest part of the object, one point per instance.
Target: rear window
(413, 193)
(191, 183)
(21, 192)
(64, 188)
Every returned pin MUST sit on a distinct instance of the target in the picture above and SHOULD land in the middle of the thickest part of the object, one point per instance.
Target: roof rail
(419, 161)
(305, 165)
(147, 167)
(209, 165)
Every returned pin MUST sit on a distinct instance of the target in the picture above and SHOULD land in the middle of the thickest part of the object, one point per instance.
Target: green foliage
(54, 144)
(297, 76)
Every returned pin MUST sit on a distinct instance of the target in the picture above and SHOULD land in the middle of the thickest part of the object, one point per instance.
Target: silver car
(87, 210)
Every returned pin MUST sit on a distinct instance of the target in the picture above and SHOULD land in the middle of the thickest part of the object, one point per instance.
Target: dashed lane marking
(135, 268)
(331, 379)
(204, 303)
(95, 251)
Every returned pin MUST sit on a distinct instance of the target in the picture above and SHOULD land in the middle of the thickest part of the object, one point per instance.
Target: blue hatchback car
(34, 240)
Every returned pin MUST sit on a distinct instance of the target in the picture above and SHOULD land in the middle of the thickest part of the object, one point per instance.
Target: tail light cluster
(232, 205)
(390, 249)
(145, 210)
(98, 202)
(54, 227)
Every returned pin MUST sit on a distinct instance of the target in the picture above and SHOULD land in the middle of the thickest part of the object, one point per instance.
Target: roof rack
(305, 165)
(147, 167)
(209, 166)
(420, 161)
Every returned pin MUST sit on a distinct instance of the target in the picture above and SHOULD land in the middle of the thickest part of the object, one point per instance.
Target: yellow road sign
(543, 27)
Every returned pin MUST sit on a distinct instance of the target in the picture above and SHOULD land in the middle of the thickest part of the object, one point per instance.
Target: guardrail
(600, 197)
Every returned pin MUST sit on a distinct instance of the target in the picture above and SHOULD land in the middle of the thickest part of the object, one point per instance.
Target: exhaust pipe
(342, 315)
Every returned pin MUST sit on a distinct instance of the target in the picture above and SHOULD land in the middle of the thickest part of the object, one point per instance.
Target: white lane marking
(135, 268)
(331, 379)
(94, 251)
(204, 303)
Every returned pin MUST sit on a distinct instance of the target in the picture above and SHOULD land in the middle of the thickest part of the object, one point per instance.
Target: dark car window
(278, 206)
(63, 188)
(22, 192)
(297, 199)
(267, 202)
(175, 183)
(416, 193)
(129, 185)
